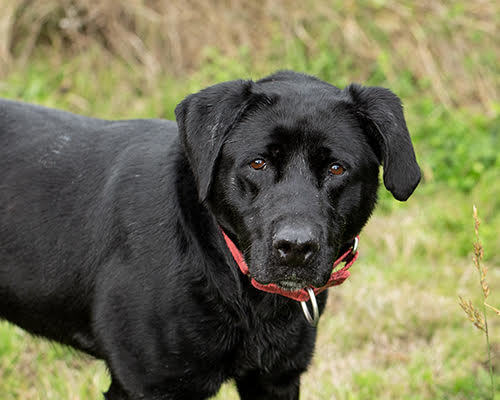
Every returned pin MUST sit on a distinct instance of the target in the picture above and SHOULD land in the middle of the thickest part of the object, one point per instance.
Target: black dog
(111, 231)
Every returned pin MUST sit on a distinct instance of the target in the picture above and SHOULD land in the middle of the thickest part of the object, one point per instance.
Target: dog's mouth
(290, 278)
(291, 285)
(286, 282)
(265, 270)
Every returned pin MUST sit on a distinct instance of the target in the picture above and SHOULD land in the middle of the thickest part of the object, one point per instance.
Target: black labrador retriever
(115, 236)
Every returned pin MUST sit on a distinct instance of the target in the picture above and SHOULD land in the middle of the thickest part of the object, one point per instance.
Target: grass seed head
(472, 313)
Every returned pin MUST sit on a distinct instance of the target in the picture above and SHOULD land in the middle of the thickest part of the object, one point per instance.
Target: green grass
(32, 368)
(394, 330)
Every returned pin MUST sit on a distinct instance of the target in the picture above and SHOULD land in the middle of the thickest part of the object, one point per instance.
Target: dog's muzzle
(306, 294)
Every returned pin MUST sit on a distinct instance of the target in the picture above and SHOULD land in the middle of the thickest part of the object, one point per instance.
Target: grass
(480, 319)
(31, 368)
(394, 330)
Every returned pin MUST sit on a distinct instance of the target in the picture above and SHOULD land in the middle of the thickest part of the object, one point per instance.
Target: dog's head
(289, 167)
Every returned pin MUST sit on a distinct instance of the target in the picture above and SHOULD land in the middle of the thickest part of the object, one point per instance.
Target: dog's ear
(205, 120)
(381, 114)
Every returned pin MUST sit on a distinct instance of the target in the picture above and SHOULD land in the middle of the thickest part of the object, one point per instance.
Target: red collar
(336, 278)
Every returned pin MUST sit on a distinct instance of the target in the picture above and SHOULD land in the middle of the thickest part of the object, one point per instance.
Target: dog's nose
(295, 245)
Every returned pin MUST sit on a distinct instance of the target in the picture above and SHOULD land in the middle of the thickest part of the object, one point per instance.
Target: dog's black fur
(110, 231)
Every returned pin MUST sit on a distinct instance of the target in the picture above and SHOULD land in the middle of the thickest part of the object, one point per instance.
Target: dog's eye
(337, 169)
(258, 164)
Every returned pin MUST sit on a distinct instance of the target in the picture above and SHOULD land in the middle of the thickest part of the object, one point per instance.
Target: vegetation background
(395, 329)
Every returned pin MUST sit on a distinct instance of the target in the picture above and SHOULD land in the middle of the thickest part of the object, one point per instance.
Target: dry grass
(479, 317)
(449, 47)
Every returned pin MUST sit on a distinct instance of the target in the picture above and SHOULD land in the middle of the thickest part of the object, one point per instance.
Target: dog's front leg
(282, 386)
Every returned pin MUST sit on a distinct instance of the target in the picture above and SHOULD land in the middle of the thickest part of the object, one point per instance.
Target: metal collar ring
(313, 320)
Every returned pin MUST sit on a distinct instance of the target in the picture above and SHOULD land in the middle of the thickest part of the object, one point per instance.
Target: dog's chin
(290, 278)
(290, 281)
(288, 284)
(291, 285)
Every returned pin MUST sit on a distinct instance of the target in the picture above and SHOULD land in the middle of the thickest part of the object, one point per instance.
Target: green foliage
(368, 384)
(467, 387)
(456, 147)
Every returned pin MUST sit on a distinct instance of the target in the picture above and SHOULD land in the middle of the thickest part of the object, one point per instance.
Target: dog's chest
(259, 349)
(268, 345)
